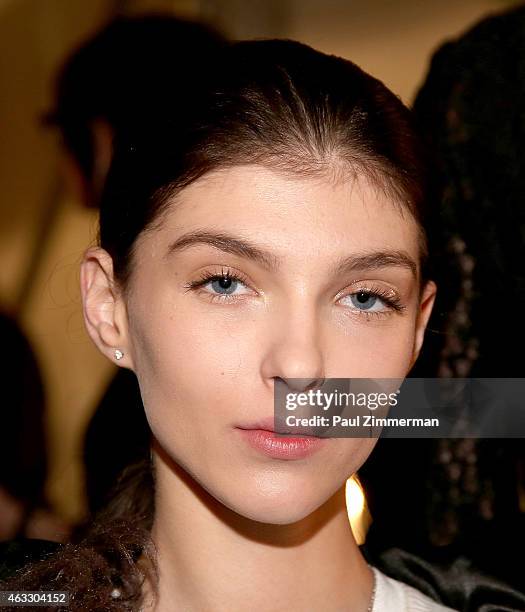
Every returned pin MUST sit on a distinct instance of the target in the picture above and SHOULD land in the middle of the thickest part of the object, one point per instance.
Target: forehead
(291, 212)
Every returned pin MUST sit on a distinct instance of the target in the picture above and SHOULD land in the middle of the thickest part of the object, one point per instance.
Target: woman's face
(207, 352)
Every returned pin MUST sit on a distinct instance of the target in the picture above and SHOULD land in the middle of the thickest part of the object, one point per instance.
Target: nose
(295, 353)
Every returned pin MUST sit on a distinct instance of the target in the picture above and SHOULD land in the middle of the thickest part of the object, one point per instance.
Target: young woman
(270, 230)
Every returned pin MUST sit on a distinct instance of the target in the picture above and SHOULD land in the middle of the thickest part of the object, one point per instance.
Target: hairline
(375, 173)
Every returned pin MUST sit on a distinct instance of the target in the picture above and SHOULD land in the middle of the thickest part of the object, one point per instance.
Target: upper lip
(277, 426)
(266, 423)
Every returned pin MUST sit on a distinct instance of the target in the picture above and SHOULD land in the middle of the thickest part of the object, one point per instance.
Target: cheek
(189, 368)
(372, 350)
(353, 452)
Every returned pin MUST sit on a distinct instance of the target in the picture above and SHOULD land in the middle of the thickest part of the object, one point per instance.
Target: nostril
(315, 384)
(302, 385)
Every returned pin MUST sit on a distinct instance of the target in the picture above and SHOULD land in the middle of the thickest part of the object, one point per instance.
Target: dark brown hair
(277, 103)
(273, 102)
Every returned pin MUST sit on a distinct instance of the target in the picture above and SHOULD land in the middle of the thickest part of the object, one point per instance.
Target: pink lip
(269, 424)
(262, 436)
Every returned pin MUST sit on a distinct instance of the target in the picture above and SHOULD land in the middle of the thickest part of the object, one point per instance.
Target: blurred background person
(24, 509)
(468, 495)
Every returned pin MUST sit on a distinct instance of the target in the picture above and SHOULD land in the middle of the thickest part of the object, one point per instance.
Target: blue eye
(375, 301)
(225, 285)
(220, 286)
(363, 300)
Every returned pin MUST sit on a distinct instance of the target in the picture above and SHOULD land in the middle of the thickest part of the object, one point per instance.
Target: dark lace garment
(466, 497)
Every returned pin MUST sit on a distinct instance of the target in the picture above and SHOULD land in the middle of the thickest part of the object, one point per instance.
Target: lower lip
(282, 447)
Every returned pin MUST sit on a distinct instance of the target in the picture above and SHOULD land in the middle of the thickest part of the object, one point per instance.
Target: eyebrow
(244, 248)
(228, 244)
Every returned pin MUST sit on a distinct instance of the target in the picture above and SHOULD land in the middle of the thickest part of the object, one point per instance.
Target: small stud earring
(118, 354)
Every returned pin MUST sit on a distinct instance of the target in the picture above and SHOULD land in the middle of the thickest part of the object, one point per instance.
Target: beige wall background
(43, 230)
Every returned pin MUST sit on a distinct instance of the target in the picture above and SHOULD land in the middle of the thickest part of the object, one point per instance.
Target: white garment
(395, 596)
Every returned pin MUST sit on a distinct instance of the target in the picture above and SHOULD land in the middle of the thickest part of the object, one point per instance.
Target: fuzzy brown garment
(106, 569)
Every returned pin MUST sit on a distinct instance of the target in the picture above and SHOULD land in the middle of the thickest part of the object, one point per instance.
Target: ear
(105, 313)
(426, 304)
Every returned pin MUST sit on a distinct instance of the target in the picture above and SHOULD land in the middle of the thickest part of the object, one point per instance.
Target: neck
(211, 558)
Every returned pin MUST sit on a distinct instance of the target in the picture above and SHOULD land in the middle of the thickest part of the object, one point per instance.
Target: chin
(280, 501)
(279, 516)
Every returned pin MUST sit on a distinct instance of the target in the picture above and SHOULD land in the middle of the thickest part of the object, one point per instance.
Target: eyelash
(393, 302)
(207, 277)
